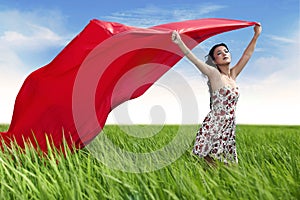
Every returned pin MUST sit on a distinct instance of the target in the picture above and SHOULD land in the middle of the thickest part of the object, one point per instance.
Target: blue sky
(32, 33)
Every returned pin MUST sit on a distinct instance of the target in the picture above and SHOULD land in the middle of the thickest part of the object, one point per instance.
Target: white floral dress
(216, 137)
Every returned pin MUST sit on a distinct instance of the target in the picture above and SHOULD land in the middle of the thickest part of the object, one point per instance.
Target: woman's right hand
(176, 37)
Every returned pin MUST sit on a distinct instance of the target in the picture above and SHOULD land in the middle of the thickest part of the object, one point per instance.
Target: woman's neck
(224, 69)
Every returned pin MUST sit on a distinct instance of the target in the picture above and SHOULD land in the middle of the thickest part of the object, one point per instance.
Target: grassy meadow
(269, 160)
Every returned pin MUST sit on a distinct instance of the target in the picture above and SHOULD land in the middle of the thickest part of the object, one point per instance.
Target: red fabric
(104, 65)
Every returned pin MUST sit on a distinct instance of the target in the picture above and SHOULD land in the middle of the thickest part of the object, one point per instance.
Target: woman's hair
(210, 61)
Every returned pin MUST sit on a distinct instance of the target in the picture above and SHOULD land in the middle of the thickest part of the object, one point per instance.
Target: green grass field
(268, 169)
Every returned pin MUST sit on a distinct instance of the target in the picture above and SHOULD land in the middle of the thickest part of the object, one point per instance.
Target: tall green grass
(267, 169)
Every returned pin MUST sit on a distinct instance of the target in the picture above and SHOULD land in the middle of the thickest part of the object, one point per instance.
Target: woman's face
(222, 56)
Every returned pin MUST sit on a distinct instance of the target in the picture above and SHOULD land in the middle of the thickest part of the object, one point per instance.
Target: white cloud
(24, 34)
(10, 82)
(282, 39)
(154, 15)
(38, 38)
(31, 30)
(175, 98)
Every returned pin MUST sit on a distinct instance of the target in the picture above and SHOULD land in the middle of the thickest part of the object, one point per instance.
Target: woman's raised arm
(202, 66)
(235, 71)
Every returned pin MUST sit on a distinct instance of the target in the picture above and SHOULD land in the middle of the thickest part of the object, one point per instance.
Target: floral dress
(216, 137)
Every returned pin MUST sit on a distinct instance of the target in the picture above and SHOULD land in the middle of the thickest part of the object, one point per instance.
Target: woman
(216, 137)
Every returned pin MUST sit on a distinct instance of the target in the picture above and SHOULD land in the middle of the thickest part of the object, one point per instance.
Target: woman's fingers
(175, 37)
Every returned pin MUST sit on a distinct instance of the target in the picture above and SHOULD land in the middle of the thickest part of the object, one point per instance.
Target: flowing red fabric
(103, 66)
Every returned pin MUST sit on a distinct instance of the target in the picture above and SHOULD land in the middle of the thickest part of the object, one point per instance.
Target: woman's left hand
(257, 29)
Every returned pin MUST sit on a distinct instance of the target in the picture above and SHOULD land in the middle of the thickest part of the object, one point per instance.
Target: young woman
(216, 137)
